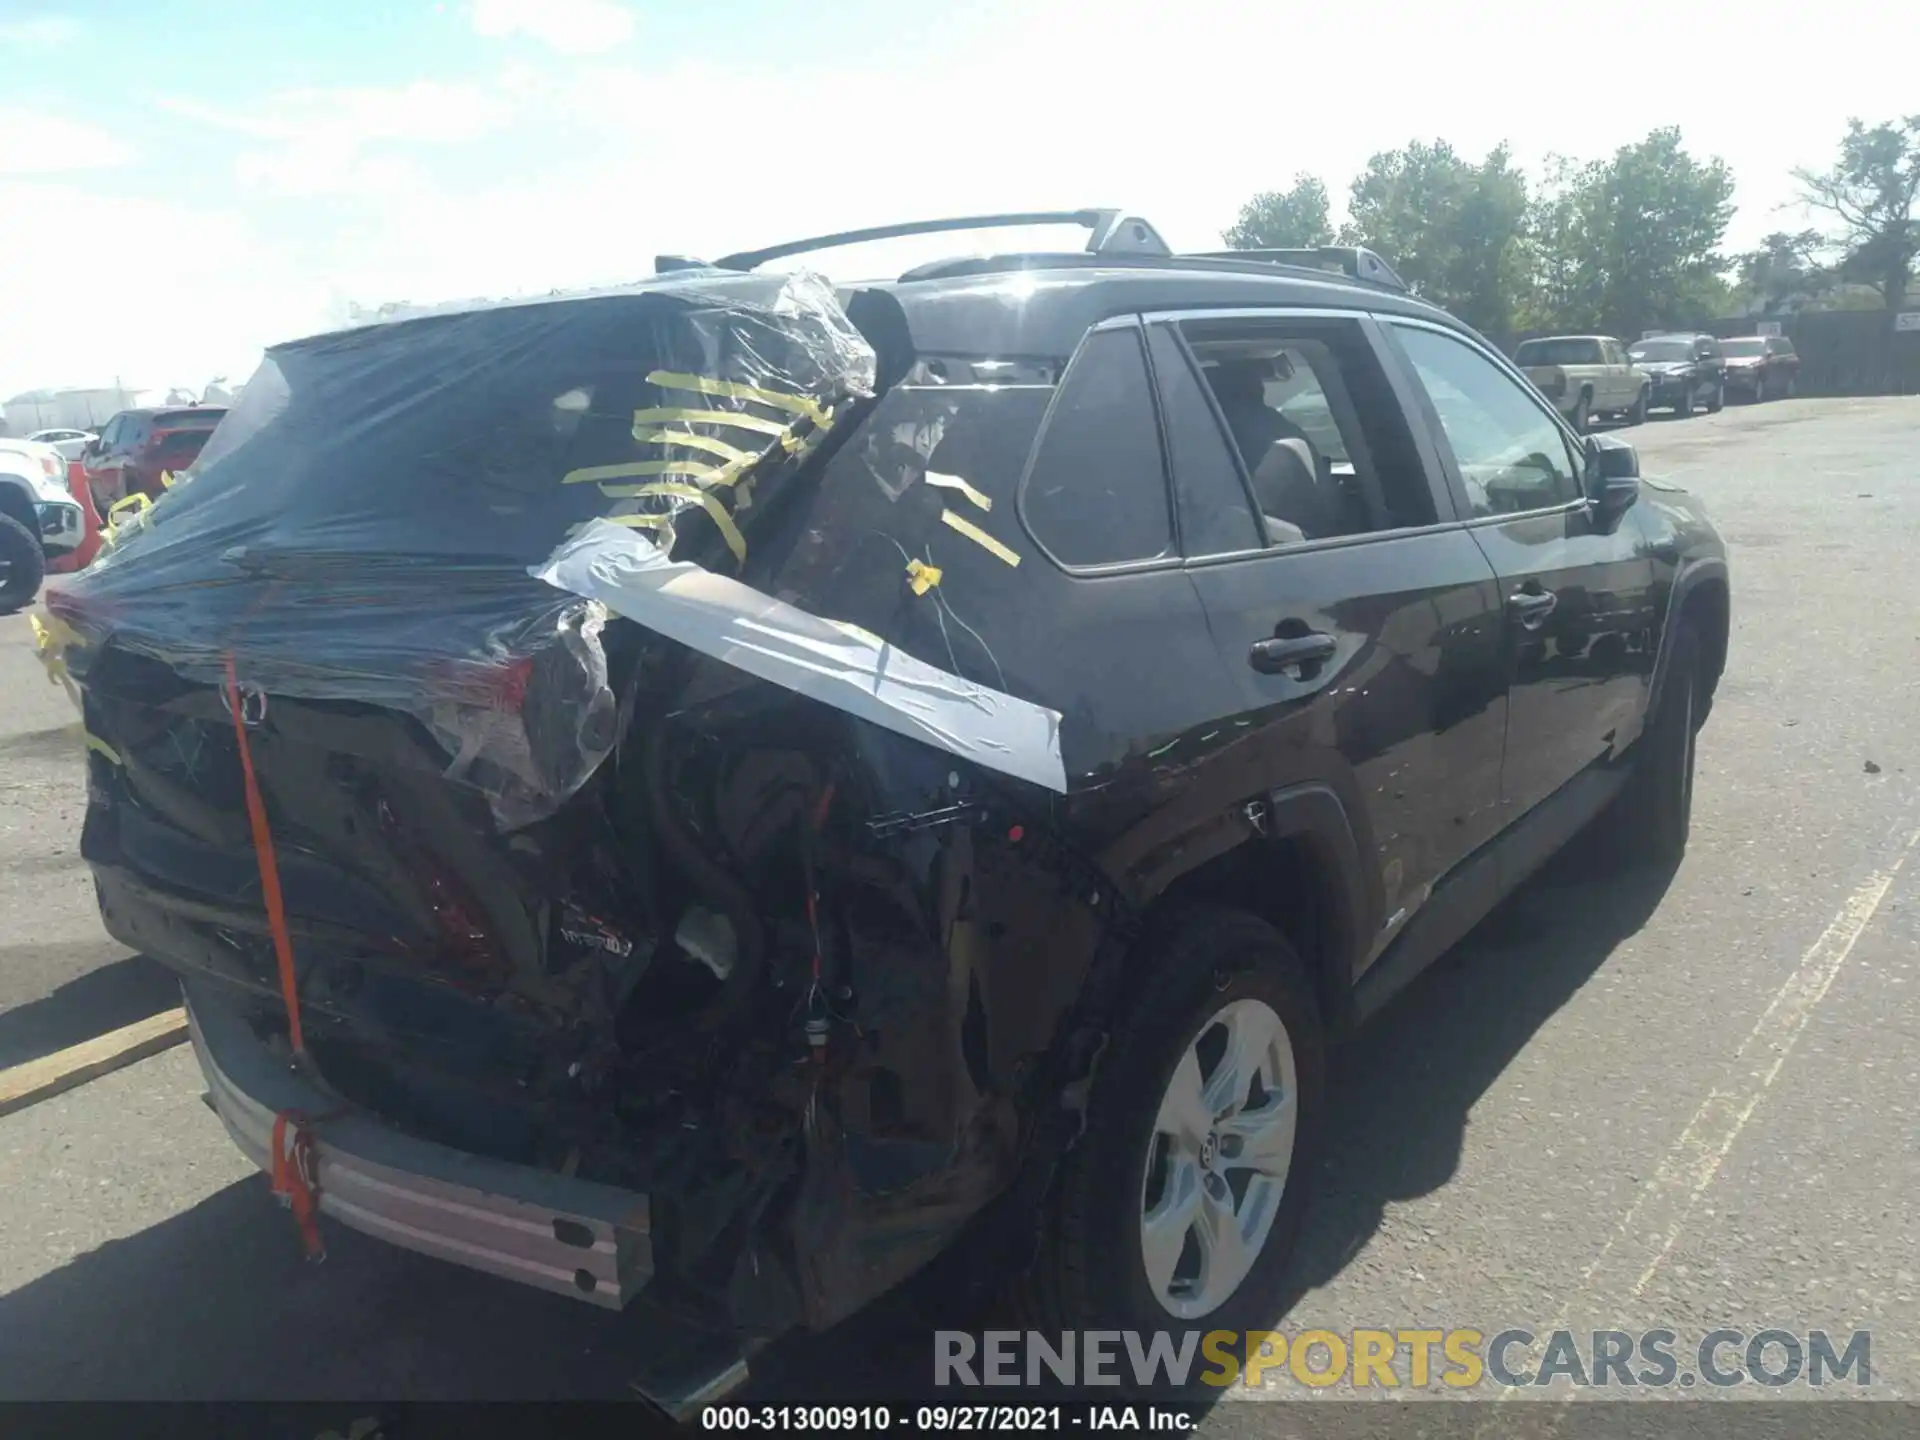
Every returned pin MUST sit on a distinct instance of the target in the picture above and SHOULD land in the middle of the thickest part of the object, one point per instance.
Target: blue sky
(183, 181)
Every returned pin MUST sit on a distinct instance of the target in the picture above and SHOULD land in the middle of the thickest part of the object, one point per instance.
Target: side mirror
(1613, 474)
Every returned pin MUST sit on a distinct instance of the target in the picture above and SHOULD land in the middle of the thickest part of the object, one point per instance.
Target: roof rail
(1354, 261)
(1114, 232)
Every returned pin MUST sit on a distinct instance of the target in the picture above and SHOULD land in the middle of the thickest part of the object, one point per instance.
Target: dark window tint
(178, 447)
(1215, 515)
(1512, 455)
(1097, 492)
(1325, 446)
(188, 419)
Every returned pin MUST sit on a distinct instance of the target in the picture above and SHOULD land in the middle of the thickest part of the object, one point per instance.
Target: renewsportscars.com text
(1364, 1359)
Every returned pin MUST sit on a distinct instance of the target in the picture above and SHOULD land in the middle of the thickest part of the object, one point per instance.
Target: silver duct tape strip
(837, 664)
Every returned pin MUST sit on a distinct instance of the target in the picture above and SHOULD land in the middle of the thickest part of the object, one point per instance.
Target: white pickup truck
(1585, 376)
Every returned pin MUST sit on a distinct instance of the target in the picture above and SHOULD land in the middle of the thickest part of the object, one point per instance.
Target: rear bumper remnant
(573, 1237)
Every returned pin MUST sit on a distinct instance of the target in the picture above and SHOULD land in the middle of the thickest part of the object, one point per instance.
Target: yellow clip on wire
(794, 404)
(922, 577)
(979, 537)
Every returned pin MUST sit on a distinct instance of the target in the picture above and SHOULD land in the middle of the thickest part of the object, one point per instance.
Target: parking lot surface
(1619, 1105)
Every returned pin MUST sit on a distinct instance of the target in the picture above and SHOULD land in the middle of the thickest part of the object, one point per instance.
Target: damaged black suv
(716, 789)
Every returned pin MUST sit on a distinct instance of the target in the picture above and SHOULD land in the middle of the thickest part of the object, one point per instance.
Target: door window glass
(1512, 455)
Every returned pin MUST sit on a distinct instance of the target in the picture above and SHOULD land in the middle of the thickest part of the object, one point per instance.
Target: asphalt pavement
(1688, 1103)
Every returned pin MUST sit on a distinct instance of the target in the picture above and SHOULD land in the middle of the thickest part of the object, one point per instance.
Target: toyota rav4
(720, 789)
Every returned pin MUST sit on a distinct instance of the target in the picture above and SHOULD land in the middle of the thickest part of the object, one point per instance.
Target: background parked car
(68, 442)
(1687, 371)
(1585, 376)
(39, 518)
(138, 446)
(1761, 366)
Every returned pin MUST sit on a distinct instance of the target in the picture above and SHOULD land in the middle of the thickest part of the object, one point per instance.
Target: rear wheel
(1184, 1198)
(23, 564)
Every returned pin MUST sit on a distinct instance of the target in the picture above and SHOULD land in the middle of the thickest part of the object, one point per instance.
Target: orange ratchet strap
(269, 870)
(296, 1179)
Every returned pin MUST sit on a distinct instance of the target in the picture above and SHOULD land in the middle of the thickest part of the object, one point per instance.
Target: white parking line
(1648, 1231)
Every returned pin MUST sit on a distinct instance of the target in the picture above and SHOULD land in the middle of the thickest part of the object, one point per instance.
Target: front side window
(1512, 455)
(1097, 490)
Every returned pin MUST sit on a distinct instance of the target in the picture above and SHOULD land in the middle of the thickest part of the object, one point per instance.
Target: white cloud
(199, 296)
(42, 32)
(340, 142)
(572, 27)
(35, 143)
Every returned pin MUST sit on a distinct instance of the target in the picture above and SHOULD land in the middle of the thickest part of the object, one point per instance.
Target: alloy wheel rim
(1218, 1159)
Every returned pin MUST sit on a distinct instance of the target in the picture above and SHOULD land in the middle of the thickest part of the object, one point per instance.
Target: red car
(138, 446)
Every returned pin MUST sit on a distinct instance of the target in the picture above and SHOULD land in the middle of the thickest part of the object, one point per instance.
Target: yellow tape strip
(94, 742)
(692, 442)
(979, 537)
(733, 390)
(51, 640)
(593, 474)
(733, 419)
(922, 577)
(954, 482)
(729, 531)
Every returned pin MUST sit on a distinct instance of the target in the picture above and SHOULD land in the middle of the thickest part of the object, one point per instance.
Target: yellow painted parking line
(36, 1080)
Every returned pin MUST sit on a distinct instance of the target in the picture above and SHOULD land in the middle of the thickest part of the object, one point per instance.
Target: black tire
(1651, 819)
(25, 562)
(1719, 400)
(1091, 1271)
(1638, 415)
(1582, 417)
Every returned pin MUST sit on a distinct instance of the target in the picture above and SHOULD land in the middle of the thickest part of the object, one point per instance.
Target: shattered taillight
(485, 684)
(465, 937)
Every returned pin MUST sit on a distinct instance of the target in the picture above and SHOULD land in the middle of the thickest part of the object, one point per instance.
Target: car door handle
(1281, 654)
(1532, 607)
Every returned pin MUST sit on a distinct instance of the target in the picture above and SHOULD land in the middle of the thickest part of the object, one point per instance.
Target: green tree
(1870, 191)
(1453, 228)
(1652, 219)
(1563, 277)
(1290, 219)
(1784, 268)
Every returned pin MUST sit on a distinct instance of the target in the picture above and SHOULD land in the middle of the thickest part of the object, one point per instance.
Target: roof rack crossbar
(1355, 261)
(1114, 232)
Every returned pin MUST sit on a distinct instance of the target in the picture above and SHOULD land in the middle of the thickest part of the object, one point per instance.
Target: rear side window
(188, 419)
(1096, 493)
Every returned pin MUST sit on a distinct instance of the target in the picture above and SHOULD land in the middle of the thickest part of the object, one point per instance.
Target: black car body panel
(1355, 729)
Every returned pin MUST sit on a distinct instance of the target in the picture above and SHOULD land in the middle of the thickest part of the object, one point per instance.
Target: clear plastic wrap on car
(361, 526)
